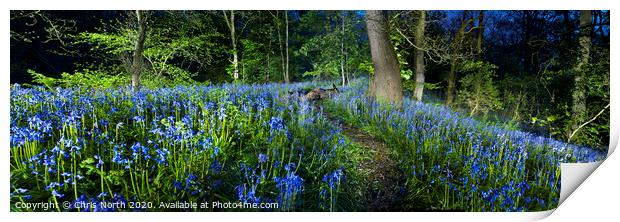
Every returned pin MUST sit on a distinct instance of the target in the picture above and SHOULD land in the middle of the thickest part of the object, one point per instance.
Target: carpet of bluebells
(263, 144)
(227, 143)
(454, 162)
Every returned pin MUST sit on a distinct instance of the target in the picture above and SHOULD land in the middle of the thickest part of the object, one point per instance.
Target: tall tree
(454, 58)
(480, 34)
(137, 62)
(342, 52)
(579, 90)
(286, 75)
(385, 85)
(230, 22)
(278, 22)
(419, 56)
(268, 56)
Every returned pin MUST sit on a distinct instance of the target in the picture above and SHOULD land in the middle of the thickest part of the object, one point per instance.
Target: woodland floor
(383, 175)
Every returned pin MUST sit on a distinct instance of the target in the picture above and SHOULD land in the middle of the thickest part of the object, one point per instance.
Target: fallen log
(320, 93)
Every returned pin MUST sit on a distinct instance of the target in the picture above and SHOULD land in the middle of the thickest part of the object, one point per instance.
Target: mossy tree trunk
(579, 111)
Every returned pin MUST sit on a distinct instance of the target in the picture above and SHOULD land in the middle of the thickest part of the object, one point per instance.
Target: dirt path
(383, 174)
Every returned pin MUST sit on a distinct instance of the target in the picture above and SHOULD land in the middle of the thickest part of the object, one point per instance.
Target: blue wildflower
(55, 193)
(262, 158)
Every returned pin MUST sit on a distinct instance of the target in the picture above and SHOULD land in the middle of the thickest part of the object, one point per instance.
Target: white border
(596, 200)
(313, 4)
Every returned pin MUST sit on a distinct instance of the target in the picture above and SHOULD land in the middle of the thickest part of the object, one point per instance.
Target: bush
(92, 79)
(478, 93)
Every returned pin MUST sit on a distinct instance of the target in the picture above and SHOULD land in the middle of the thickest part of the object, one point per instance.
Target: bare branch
(586, 123)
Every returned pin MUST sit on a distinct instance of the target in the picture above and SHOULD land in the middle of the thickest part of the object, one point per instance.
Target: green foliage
(42, 79)
(401, 48)
(409, 85)
(478, 92)
(554, 88)
(432, 86)
(515, 92)
(324, 49)
(178, 77)
(366, 66)
(257, 65)
(112, 43)
(596, 133)
(173, 52)
(88, 79)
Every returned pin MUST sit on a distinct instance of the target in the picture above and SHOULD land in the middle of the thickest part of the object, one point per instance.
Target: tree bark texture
(136, 60)
(480, 34)
(386, 85)
(230, 21)
(419, 57)
(579, 94)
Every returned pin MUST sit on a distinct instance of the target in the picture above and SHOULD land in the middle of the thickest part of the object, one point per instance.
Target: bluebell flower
(215, 167)
(341, 141)
(138, 119)
(55, 193)
(276, 124)
(206, 143)
(334, 178)
(162, 156)
(118, 198)
(52, 185)
(99, 161)
(102, 195)
(81, 203)
(177, 185)
(290, 187)
(262, 158)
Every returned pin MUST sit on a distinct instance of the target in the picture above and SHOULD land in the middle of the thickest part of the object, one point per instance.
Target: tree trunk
(286, 76)
(269, 57)
(283, 63)
(579, 94)
(386, 84)
(342, 55)
(566, 44)
(451, 82)
(460, 33)
(528, 19)
(480, 34)
(567, 25)
(137, 61)
(419, 57)
(230, 21)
